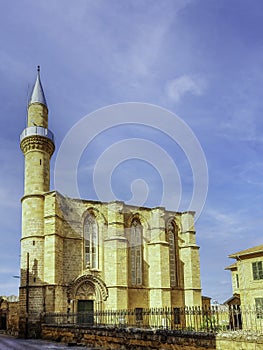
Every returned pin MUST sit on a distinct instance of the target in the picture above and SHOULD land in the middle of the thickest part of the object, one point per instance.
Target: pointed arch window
(136, 253)
(173, 253)
(91, 242)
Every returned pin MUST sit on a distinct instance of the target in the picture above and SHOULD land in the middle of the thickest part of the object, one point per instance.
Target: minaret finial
(38, 92)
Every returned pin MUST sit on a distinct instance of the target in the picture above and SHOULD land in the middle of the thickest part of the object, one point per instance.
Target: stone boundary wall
(110, 338)
(239, 340)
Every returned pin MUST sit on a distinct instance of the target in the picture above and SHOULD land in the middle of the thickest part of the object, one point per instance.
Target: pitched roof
(235, 298)
(249, 251)
(231, 267)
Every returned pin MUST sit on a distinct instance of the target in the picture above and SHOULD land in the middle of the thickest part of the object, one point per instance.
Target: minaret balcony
(37, 131)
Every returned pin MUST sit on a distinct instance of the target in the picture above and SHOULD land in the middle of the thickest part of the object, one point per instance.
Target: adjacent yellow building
(247, 276)
(79, 255)
(247, 285)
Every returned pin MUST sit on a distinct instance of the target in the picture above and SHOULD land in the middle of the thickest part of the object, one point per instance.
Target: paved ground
(11, 343)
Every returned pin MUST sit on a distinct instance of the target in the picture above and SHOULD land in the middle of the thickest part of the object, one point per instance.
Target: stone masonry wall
(130, 338)
(109, 338)
(239, 340)
(65, 216)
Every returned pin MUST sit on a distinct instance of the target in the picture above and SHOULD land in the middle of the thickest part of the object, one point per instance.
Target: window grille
(136, 252)
(259, 307)
(257, 270)
(91, 242)
(173, 253)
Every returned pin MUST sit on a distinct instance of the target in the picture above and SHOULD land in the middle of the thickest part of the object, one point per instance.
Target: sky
(198, 60)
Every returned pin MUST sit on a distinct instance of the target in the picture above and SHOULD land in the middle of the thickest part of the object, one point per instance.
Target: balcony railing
(37, 130)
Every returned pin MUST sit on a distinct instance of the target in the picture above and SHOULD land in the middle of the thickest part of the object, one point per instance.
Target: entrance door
(3, 322)
(86, 312)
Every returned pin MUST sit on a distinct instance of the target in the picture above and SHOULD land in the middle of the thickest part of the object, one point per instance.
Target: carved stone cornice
(39, 143)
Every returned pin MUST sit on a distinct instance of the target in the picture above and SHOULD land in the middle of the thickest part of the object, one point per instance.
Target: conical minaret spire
(37, 105)
(38, 95)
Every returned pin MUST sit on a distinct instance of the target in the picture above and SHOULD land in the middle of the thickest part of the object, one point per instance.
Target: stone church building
(79, 255)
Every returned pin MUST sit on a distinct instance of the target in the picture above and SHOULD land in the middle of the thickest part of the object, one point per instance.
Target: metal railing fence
(212, 319)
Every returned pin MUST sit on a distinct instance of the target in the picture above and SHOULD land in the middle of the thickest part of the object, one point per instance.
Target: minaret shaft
(37, 150)
(37, 115)
(37, 145)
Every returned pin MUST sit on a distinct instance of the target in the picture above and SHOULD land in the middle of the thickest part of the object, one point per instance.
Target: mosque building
(81, 254)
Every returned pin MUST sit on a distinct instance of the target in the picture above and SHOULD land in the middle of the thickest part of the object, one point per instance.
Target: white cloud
(251, 173)
(177, 88)
(221, 224)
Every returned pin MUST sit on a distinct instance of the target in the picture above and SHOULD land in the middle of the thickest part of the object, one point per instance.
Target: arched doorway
(85, 298)
(87, 294)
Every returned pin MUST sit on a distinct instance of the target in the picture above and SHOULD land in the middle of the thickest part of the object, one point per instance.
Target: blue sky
(200, 59)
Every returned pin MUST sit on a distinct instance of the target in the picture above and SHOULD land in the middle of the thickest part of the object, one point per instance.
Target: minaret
(37, 144)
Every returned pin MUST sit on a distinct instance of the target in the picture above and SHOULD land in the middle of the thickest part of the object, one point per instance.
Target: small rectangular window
(259, 307)
(237, 281)
(257, 270)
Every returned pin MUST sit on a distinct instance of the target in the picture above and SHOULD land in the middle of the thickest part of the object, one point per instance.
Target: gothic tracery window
(136, 253)
(173, 253)
(91, 242)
